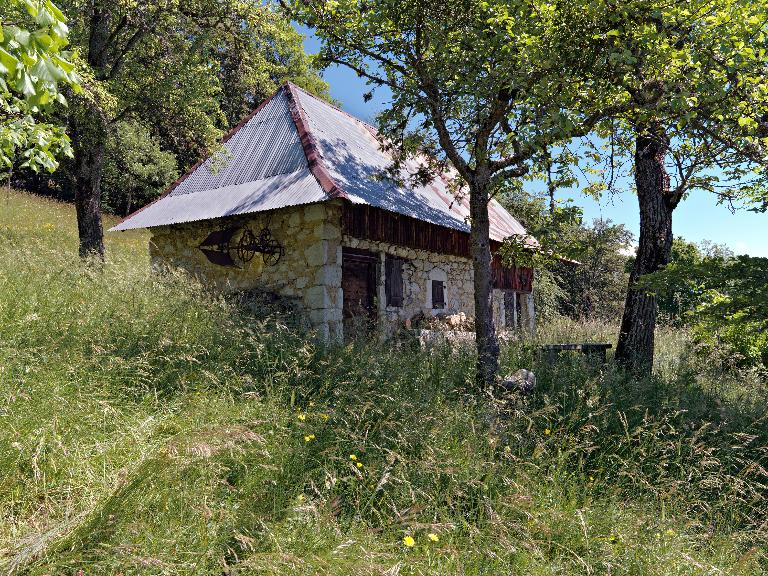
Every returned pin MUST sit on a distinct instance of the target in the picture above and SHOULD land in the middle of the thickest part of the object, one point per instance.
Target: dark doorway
(358, 283)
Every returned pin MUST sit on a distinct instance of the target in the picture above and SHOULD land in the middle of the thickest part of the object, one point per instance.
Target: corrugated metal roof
(267, 145)
(276, 156)
(279, 191)
(356, 162)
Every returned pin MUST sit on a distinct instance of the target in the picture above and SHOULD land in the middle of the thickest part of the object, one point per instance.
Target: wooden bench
(590, 350)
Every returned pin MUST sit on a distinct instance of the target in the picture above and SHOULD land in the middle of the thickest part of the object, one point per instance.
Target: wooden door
(358, 284)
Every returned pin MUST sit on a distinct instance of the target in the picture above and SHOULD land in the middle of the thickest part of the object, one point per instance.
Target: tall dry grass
(147, 427)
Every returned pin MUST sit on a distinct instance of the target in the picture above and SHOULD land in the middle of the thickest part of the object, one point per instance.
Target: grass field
(149, 428)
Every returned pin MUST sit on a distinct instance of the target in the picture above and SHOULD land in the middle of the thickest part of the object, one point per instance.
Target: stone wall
(309, 270)
(419, 270)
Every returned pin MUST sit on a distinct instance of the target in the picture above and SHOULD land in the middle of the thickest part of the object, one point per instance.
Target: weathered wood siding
(370, 223)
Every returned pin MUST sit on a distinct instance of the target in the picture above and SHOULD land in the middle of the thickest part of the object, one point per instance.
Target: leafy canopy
(479, 84)
(692, 73)
(34, 64)
(136, 169)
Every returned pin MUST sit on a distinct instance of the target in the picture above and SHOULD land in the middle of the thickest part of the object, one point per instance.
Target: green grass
(147, 427)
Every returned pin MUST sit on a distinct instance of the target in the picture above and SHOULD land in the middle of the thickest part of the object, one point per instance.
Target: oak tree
(688, 82)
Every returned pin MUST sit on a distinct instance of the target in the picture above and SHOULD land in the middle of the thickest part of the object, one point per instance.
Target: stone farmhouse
(296, 204)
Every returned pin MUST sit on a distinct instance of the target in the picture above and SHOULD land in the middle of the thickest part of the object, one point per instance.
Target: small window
(438, 294)
(512, 311)
(393, 281)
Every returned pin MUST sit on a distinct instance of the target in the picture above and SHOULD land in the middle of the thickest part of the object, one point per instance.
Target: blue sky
(696, 219)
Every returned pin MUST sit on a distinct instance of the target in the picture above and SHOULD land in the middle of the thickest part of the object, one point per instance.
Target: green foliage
(580, 269)
(189, 434)
(34, 65)
(596, 287)
(728, 299)
(682, 295)
(693, 72)
(136, 169)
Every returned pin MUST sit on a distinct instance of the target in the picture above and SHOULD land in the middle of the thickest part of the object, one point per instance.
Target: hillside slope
(149, 428)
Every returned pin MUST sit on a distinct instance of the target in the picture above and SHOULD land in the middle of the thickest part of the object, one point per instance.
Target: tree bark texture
(636, 336)
(89, 132)
(88, 171)
(485, 333)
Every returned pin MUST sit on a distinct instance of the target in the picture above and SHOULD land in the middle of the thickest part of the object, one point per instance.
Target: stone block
(317, 254)
(329, 275)
(295, 218)
(317, 297)
(317, 317)
(327, 231)
(314, 212)
(323, 332)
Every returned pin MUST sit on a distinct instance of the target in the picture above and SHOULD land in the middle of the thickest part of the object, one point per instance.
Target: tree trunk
(89, 134)
(485, 333)
(636, 336)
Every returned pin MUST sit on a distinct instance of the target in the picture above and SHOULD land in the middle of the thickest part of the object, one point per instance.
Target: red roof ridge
(309, 144)
(370, 127)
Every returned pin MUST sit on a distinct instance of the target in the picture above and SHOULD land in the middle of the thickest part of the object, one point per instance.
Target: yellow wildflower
(434, 537)
(409, 541)
(324, 417)
(309, 437)
(301, 417)
(359, 464)
(547, 431)
(353, 457)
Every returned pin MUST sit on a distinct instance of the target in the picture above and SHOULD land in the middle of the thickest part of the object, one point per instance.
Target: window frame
(394, 285)
(441, 284)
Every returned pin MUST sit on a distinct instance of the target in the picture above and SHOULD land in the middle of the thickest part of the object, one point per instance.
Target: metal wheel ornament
(246, 246)
(271, 259)
(271, 250)
(219, 247)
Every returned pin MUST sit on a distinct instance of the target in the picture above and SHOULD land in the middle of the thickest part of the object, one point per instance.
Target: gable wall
(309, 270)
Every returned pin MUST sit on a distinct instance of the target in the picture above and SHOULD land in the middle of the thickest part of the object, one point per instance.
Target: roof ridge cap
(308, 143)
(370, 127)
